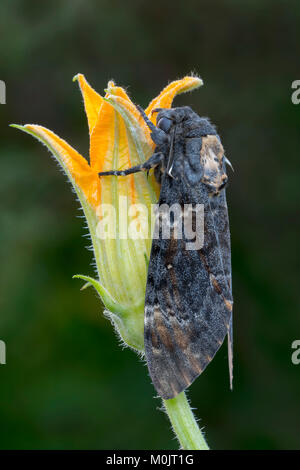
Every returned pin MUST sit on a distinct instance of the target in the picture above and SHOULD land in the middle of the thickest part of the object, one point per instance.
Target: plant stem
(184, 423)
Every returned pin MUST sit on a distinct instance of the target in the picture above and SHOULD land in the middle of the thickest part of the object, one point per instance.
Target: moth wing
(230, 353)
(187, 308)
(219, 206)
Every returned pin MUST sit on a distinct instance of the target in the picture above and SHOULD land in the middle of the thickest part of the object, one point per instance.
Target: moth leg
(152, 162)
(158, 136)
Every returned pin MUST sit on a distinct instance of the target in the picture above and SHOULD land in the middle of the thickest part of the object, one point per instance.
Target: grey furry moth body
(188, 303)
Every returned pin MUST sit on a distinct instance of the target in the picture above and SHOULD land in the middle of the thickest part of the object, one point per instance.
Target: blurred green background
(67, 384)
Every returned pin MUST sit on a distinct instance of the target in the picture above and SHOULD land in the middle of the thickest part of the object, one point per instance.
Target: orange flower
(119, 139)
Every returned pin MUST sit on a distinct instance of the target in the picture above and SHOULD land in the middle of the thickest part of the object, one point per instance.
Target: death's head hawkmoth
(188, 303)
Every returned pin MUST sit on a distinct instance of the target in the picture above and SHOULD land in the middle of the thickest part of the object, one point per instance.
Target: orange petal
(140, 144)
(126, 186)
(92, 100)
(112, 89)
(76, 167)
(166, 97)
(135, 123)
(120, 257)
(122, 132)
(102, 139)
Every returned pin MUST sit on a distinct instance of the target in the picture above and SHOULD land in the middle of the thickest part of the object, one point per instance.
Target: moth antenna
(156, 110)
(158, 135)
(150, 124)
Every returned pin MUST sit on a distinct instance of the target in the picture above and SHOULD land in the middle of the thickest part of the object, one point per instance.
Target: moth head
(213, 163)
(164, 119)
(167, 118)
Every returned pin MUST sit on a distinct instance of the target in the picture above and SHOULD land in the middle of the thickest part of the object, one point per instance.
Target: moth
(188, 303)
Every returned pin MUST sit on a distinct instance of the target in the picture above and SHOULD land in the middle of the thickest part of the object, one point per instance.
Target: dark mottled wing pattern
(188, 304)
(224, 248)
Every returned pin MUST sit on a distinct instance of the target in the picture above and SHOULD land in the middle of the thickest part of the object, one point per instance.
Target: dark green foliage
(67, 384)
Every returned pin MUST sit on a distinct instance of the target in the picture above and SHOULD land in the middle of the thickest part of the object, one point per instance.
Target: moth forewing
(194, 226)
(188, 307)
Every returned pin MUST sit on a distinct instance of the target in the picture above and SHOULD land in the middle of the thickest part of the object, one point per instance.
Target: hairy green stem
(184, 424)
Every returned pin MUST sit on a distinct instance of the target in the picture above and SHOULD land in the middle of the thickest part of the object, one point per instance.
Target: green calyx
(128, 321)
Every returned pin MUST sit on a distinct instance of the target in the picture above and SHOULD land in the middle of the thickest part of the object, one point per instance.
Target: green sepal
(128, 322)
(106, 298)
